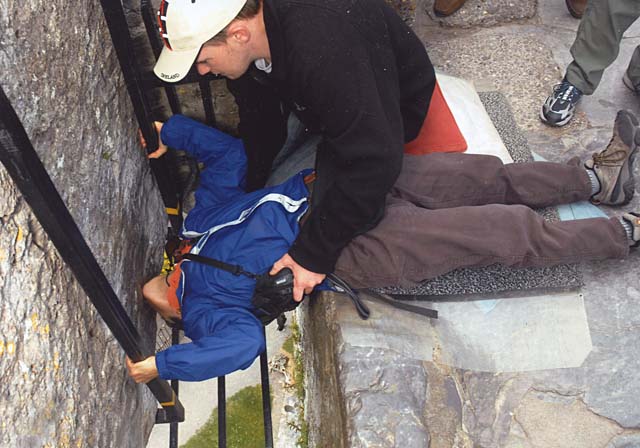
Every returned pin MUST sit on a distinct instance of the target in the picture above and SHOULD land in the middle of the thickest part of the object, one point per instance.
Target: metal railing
(139, 83)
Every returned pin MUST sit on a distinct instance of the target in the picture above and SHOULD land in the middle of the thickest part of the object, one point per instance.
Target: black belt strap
(433, 314)
(235, 269)
(339, 284)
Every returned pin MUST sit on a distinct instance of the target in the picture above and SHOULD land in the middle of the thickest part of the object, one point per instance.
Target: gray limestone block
(486, 13)
(63, 381)
(385, 397)
(625, 441)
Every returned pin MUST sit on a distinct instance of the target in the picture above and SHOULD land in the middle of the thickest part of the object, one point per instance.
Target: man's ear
(238, 33)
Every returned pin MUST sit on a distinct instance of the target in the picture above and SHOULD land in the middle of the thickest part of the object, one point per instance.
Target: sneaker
(614, 165)
(634, 220)
(627, 82)
(559, 108)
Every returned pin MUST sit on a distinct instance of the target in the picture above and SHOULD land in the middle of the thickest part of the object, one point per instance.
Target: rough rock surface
(62, 380)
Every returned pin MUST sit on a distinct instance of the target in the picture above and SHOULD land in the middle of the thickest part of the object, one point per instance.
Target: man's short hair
(250, 9)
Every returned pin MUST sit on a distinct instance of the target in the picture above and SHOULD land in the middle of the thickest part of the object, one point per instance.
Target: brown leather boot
(576, 7)
(444, 8)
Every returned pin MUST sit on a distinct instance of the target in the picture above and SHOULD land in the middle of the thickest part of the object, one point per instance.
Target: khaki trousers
(597, 43)
(449, 211)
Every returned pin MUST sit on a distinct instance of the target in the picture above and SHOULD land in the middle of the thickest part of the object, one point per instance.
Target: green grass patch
(245, 427)
(288, 345)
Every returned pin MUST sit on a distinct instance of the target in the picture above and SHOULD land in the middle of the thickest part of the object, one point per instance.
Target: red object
(173, 279)
(439, 132)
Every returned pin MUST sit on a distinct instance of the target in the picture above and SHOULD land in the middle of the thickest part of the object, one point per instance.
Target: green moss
(245, 428)
(298, 375)
(288, 345)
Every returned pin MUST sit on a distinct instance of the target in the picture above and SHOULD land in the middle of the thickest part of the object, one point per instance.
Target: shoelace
(609, 159)
(568, 92)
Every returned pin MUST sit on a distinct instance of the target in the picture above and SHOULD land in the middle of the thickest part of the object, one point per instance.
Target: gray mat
(497, 278)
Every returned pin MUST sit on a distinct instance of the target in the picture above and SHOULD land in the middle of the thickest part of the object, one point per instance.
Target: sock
(595, 183)
(628, 228)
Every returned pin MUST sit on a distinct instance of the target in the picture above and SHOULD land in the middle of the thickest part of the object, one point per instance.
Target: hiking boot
(633, 219)
(614, 166)
(576, 7)
(629, 84)
(559, 108)
(444, 8)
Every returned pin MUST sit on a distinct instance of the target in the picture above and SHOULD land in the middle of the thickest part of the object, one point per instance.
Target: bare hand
(143, 371)
(303, 280)
(162, 148)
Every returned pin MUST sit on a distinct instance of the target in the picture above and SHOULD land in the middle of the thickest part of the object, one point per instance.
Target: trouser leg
(633, 71)
(597, 42)
(298, 152)
(412, 244)
(437, 181)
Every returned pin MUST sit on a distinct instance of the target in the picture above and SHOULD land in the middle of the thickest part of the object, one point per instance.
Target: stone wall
(62, 376)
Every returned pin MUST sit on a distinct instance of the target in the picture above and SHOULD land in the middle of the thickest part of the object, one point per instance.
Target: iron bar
(266, 399)
(222, 413)
(25, 168)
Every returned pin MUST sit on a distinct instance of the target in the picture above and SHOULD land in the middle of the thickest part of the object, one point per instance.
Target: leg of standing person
(631, 76)
(598, 39)
(596, 46)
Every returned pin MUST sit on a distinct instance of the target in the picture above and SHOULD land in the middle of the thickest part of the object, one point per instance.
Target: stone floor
(519, 49)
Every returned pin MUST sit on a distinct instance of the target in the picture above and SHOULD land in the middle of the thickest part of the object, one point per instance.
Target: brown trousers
(449, 211)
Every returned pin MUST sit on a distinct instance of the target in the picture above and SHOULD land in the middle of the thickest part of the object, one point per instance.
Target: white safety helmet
(185, 25)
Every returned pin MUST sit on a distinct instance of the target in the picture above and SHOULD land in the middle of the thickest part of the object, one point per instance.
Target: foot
(633, 219)
(629, 84)
(559, 108)
(614, 165)
(444, 8)
(576, 7)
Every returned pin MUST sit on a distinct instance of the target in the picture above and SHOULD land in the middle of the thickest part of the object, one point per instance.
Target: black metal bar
(121, 38)
(25, 168)
(207, 102)
(175, 385)
(266, 400)
(150, 24)
(222, 413)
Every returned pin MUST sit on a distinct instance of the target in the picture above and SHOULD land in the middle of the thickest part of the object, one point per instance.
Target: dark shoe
(444, 8)
(614, 165)
(627, 82)
(576, 7)
(634, 221)
(559, 108)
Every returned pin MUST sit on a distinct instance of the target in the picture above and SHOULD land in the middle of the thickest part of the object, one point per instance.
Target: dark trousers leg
(413, 243)
(452, 180)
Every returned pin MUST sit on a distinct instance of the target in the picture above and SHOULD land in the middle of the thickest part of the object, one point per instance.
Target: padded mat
(499, 278)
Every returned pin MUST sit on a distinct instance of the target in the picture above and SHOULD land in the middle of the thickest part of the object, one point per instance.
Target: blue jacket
(253, 230)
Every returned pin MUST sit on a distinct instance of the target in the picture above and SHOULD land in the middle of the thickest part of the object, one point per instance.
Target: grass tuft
(245, 427)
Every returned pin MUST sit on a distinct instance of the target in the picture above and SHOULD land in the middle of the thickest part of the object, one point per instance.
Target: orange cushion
(439, 132)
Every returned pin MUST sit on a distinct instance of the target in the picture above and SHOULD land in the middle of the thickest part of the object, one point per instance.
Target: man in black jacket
(350, 70)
